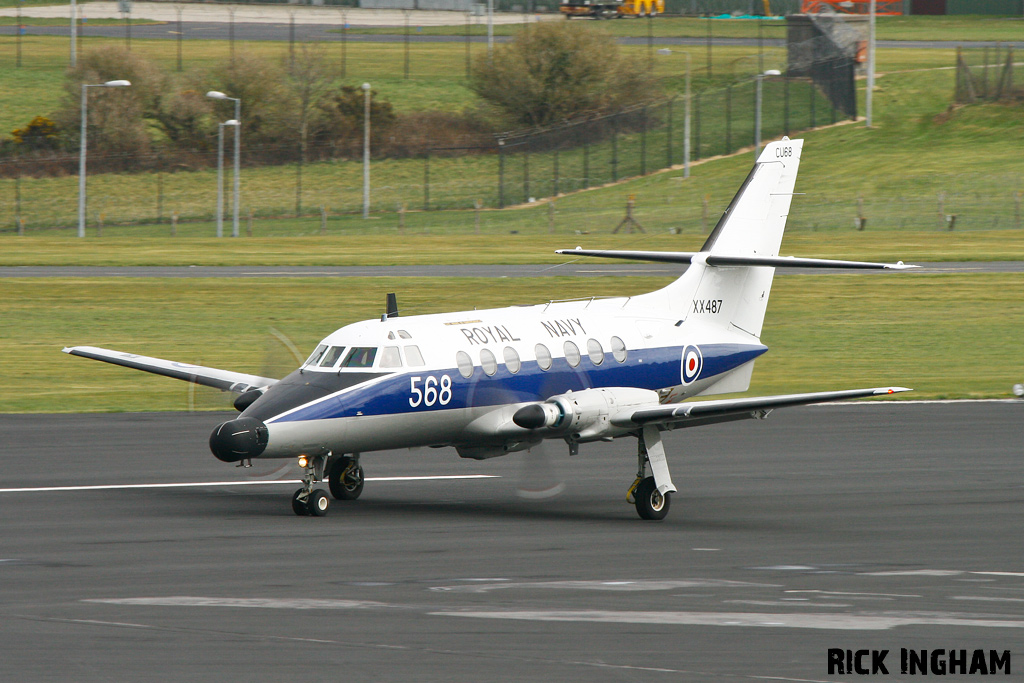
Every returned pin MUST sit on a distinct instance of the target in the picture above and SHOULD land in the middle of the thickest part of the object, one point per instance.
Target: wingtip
(891, 390)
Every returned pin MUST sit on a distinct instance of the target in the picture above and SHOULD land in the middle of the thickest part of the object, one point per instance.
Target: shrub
(557, 71)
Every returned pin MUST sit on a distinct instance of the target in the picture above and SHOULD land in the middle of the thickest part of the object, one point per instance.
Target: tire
(318, 503)
(299, 507)
(649, 503)
(352, 486)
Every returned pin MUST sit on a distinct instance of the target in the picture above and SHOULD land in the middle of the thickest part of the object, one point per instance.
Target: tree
(116, 115)
(342, 119)
(259, 84)
(310, 80)
(557, 71)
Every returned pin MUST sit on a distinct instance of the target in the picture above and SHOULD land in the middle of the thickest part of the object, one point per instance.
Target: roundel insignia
(693, 362)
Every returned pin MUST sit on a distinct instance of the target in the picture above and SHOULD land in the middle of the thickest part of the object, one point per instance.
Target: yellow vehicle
(611, 9)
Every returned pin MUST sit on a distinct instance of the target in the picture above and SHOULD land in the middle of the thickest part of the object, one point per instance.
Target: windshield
(359, 357)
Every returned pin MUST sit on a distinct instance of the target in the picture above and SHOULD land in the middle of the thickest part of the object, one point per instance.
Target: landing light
(303, 462)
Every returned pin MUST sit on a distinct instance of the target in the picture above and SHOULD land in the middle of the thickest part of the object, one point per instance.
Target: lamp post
(214, 95)
(220, 174)
(74, 33)
(757, 114)
(870, 93)
(82, 146)
(366, 150)
(686, 110)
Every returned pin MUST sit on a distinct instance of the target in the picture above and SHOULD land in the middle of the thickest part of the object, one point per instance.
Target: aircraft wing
(727, 410)
(225, 380)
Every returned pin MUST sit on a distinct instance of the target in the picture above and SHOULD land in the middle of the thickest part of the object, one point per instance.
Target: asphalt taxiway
(854, 526)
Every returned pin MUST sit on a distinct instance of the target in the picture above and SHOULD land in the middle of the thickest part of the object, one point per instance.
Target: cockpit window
(360, 357)
(315, 356)
(390, 358)
(413, 356)
(331, 357)
(402, 334)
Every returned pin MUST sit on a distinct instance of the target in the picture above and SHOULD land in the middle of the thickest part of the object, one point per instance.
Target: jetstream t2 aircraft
(497, 381)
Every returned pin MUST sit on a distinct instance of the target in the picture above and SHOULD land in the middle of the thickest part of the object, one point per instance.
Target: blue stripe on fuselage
(645, 369)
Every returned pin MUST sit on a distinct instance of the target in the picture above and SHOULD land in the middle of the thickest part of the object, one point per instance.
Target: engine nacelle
(584, 415)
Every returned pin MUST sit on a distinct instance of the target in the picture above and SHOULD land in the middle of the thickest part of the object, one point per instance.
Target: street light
(757, 117)
(82, 147)
(686, 116)
(220, 174)
(366, 151)
(215, 95)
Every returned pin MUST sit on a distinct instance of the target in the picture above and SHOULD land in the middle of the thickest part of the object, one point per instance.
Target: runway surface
(575, 268)
(856, 526)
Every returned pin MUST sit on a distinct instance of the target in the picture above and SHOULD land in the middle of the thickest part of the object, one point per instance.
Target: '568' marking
(707, 305)
(432, 391)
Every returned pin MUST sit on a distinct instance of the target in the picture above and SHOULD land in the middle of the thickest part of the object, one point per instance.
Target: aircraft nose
(239, 439)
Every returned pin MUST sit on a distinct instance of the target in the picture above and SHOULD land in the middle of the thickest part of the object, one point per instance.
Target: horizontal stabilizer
(725, 260)
(706, 412)
(225, 380)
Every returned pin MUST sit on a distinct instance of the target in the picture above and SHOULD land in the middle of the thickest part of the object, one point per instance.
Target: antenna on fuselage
(392, 306)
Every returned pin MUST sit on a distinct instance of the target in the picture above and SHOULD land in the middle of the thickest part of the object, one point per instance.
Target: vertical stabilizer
(751, 226)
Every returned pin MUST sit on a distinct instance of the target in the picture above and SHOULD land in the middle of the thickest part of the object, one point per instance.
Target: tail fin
(736, 296)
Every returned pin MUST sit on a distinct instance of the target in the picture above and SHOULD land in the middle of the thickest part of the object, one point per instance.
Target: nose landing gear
(308, 501)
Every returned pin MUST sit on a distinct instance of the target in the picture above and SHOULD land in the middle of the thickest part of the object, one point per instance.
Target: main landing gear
(345, 480)
(652, 495)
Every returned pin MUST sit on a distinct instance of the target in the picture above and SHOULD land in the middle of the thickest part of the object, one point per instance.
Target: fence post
(526, 176)
(406, 13)
(476, 218)
(17, 194)
(812, 89)
(468, 43)
(586, 164)
(21, 225)
(643, 141)
(551, 216)
(696, 125)
(99, 224)
(501, 174)
(298, 186)
(1017, 207)
(323, 219)
(159, 197)
(248, 224)
(174, 224)
(615, 148)
(426, 182)
(728, 118)
(344, 43)
(704, 213)
(668, 141)
(401, 218)
(785, 100)
(554, 171)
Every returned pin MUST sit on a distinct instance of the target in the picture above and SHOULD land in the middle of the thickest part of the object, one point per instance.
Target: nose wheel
(308, 501)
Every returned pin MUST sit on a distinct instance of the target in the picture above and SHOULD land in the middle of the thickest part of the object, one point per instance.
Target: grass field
(825, 332)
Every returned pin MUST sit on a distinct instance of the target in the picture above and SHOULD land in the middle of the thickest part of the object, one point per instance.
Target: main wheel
(650, 503)
(345, 481)
(318, 503)
(299, 506)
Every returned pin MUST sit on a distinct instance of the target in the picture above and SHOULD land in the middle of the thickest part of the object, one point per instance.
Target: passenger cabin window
(619, 349)
(315, 356)
(572, 353)
(465, 364)
(331, 357)
(390, 358)
(595, 351)
(511, 360)
(360, 357)
(413, 356)
(543, 356)
(488, 362)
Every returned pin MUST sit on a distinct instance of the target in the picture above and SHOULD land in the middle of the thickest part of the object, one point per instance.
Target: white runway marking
(200, 484)
(626, 585)
(262, 603)
(839, 622)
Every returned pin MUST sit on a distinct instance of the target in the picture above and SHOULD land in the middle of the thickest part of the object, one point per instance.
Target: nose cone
(239, 439)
